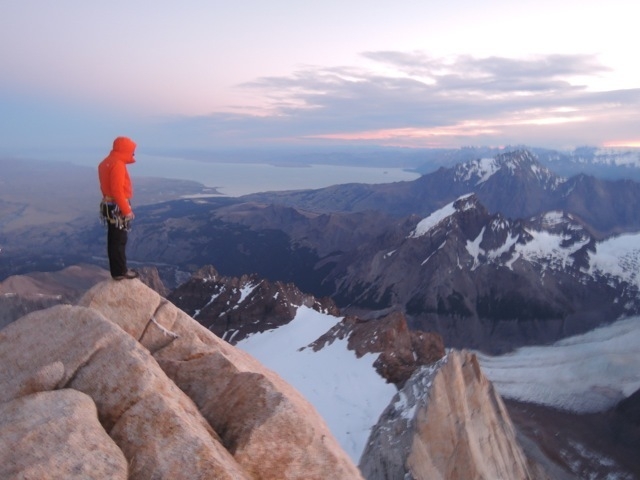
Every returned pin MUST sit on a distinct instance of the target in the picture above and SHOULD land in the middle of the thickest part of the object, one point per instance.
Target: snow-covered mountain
(554, 241)
(486, 281)
(520, 163)
(596, 156)
(602, 162)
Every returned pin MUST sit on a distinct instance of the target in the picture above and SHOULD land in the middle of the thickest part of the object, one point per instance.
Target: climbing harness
(110, 214)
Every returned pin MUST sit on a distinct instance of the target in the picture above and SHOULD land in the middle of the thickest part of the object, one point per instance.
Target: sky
(207, 74)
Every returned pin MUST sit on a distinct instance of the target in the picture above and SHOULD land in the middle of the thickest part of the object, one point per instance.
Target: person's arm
(118, 174)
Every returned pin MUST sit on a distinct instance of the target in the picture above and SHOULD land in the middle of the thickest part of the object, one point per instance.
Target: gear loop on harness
(110, 214)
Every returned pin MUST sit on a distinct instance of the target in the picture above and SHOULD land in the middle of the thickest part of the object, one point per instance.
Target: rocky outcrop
(177, 401)
(269, 428)
(401, 351)
(446, 423)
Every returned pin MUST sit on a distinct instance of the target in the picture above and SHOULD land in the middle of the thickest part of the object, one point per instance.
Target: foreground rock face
(70, 441)
(149, 394)
(155, 425)
(446, 423)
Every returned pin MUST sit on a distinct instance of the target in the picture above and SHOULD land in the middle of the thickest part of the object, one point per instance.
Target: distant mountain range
(606, 163)
(514, 184)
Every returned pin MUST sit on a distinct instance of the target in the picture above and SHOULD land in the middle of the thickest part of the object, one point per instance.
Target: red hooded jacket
(112, 172)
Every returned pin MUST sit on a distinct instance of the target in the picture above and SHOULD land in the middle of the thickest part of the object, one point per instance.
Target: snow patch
(429, 257)
(546, 249)
(552, 219)
(432, 220)
(245, 291)
(426, 224)
(212, 299)
(473, 247)
(618, 256)
(482, 169)
(511, 240)
(164, 330)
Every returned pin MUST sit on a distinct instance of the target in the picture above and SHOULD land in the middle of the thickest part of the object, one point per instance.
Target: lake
(235, 179)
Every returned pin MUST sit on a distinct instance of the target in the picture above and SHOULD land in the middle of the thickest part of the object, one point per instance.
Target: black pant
(116, 245)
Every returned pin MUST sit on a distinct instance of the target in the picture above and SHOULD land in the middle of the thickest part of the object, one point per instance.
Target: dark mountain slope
(610, 207)
(235, 307)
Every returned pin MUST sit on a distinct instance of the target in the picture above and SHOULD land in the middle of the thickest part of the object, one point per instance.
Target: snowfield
(346, 391)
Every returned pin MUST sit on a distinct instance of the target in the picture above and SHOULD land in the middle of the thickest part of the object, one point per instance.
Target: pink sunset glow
(211, 74)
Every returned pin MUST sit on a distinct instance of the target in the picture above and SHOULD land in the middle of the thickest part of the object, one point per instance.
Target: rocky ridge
(175, 401)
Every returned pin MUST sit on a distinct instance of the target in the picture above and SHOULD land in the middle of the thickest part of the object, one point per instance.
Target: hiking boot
(130, 274)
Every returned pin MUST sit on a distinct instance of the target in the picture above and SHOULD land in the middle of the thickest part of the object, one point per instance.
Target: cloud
(416, 100)
(398, 98)
(535, 73)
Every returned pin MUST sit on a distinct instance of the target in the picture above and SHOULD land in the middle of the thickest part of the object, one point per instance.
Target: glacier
(585, 373)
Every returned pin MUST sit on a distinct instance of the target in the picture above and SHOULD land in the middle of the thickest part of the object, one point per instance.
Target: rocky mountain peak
(450, 395)
(401, 350)
(206, 274)
(519, 164)
(466, 206)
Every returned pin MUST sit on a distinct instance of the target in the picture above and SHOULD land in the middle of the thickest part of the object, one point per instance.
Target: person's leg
(116, 248)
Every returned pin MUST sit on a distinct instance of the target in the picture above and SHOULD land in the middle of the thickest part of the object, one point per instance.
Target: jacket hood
(124, 147)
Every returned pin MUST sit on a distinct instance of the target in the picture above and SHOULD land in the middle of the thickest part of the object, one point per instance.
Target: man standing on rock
(115, 207)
